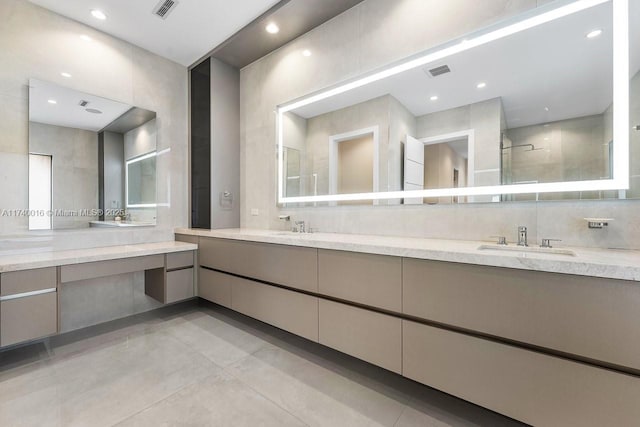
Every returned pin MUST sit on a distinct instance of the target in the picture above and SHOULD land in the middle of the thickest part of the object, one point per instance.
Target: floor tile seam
(251, 387)
(162, 399)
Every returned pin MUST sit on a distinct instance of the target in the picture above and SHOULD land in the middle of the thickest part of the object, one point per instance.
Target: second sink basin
(531, 249)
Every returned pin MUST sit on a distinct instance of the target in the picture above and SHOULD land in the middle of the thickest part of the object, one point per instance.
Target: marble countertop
(605, 263)
(53, 258)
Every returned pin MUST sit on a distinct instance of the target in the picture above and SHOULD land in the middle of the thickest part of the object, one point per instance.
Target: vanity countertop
(28, 261)
(606, 263)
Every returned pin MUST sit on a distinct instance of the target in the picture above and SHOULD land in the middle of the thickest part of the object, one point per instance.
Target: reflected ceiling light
(65, 74)
(98, 14)
(306, 53)
(481, 85)
(546, 138)
(272, 28)
(594, 33)
(434, 98)
(52, 101)
(86, 38)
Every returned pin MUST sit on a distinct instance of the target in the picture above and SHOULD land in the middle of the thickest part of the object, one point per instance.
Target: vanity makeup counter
(31, 284)
(545, 338)
(605, 263)
(27, 261)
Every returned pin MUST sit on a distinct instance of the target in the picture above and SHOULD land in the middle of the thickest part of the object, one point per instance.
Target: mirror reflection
(91, 160)
(534, 107)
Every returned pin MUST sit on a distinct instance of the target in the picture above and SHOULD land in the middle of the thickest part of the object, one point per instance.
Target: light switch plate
(255, 212)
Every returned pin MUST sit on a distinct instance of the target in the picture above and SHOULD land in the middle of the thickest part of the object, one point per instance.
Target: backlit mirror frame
(542, 15)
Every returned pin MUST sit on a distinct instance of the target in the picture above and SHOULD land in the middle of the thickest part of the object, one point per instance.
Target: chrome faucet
(300, 227)
(546, 243)
(522, 236)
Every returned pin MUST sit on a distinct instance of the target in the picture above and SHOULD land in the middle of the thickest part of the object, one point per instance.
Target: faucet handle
(502, 240)
(546, 243)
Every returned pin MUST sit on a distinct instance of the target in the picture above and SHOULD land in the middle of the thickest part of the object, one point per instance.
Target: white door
(413, 168)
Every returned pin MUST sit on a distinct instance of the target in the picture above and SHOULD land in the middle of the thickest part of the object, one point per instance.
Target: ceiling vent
(83, 103)
(438, 71)
(165, 7)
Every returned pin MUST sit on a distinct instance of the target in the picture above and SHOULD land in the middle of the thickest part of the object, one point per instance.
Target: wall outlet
(255, 212)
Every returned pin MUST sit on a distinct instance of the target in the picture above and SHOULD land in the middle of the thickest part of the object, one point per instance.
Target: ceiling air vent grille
(438, 71)
(165, 7)
(83, 103)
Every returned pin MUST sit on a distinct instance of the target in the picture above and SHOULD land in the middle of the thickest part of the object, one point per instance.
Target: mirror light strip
(146, 156)
(621, 111)
(621, 120)
(551, 187)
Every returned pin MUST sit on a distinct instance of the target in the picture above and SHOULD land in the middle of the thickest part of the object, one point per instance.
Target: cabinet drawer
(365, 334)
(586, 316)
(291, 266)
(18, 282)
(532, 387)
(90, 270)
(28, 318)
(374, 280)
(292, 311)
(179, 260)
(179, 285)
(215, 287)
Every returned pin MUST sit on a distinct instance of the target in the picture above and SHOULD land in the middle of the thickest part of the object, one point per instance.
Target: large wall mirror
(92, 161)
(534, 108)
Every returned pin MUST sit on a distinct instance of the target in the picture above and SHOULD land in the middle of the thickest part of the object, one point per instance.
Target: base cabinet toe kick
(30, 298)
(543, 348)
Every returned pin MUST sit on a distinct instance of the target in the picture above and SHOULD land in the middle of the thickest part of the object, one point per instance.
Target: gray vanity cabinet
(294, 312)
(291, 266)
(174, 281)
(585, 316)
(533, 387)
(28, 305)
(373, 280)
(215, 286)
(365, 334)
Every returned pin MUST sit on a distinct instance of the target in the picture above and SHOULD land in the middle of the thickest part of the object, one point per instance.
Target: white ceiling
(553, 65)
(66, 112)
(190, 31)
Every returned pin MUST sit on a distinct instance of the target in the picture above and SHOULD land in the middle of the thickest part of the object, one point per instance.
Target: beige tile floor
(197, 364)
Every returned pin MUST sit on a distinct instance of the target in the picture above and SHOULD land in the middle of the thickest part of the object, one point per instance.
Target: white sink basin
(525, 249)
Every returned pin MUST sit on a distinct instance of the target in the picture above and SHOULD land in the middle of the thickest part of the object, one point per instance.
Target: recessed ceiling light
(546, 108)
(434, 98)
(86, 38)
(98, 14)
(546, 138)
(52, 101)
(481, 85)
(306, 53)
(64, 74)
(272, 28)
(594, 33)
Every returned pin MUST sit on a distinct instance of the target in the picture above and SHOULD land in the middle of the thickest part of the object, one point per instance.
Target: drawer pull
(27, 294)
